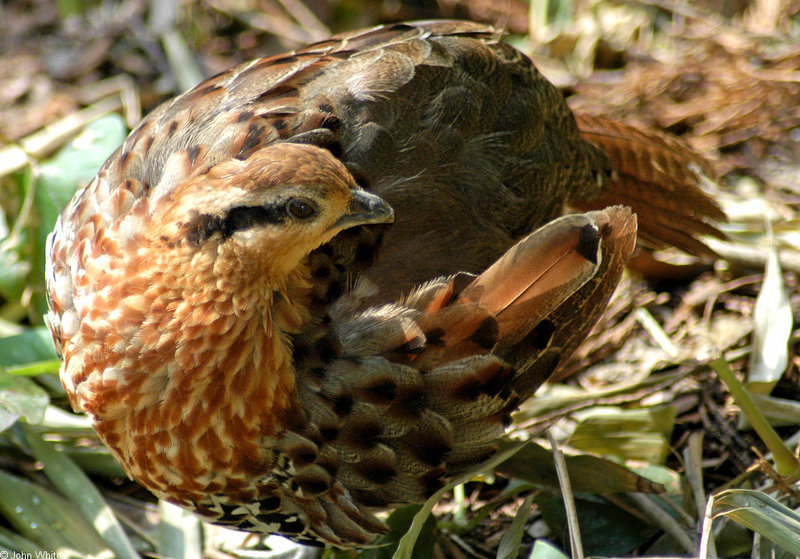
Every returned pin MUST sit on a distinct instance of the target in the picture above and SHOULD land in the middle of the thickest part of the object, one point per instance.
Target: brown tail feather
(540, 280)
(556, 337)
(657, 176)
(537, 275)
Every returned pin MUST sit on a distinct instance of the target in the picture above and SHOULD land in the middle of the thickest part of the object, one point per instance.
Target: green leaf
(606, 529)
(543, 549)
(641, 434)
(588, 474)
(399, 523)
(15, 266)
(509, 545)
(178, 535)
(47, 519)
(96, 461)
(75, 485)
(13, 272)
(20, 397)
(763, 514)
(668, 479)
(14, 543)
(734, 540)
(405, 550)
(32, 345)
(73, 166)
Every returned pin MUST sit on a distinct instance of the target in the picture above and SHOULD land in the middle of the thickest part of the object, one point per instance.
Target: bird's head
(259, 218)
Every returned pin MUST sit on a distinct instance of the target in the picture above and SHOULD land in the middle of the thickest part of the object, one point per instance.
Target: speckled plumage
(252, 339)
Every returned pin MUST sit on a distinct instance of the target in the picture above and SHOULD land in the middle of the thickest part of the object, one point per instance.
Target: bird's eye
(300, 209)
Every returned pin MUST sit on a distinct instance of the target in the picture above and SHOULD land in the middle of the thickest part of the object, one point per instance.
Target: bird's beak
(365, 208)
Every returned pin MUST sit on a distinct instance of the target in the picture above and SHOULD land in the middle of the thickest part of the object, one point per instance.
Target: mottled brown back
(458, 131)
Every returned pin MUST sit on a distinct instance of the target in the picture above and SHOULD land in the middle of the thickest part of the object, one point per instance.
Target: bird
(317, 285)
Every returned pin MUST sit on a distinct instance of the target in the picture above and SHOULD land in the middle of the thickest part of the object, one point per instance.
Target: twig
(575, 542)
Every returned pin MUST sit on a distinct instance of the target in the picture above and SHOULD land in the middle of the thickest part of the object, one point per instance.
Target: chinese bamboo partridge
(313, 286)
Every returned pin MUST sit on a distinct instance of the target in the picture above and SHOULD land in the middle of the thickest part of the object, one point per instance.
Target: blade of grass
(707, 546)
(509, 545)
(46, 519)
(36, 368)
(405, 548)
(762, 514)
(575, 541)
(178, 535)
(12, 542)
(786, 463)
(76, 486)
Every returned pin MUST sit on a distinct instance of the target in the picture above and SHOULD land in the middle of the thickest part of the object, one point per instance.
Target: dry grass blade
(575, 542)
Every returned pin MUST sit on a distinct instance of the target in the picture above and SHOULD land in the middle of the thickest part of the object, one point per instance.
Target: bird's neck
(208, 388)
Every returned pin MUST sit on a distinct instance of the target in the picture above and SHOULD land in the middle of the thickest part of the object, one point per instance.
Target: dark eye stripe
(245, 217)
(204, 226)
(240, 218)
